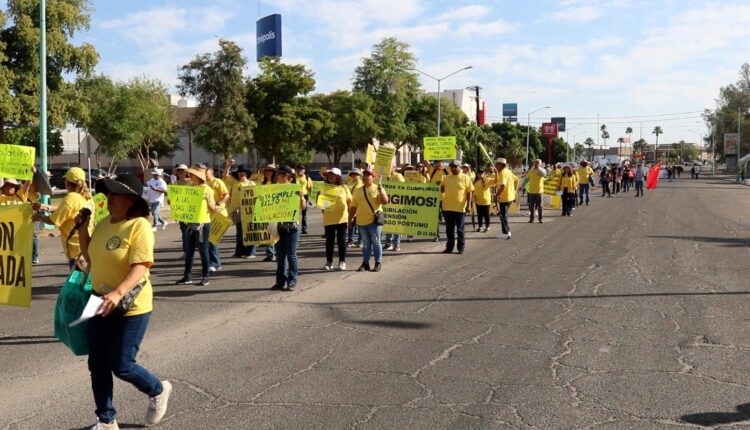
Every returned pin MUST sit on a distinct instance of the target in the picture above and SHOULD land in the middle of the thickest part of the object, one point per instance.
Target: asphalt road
(632, 314)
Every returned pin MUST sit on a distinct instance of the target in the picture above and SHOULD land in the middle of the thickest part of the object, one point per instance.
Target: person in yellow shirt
(585, 172)
(353, 181)
(535, 177)
(568, 186)
(243, 180)
(435, 175)
(221, 196)
(507, 186)
(120, 252)
(367, 202)
(483, 200)
(13, 193)
(335, 216)
(305, 184)
(63, 217)
(457, 192)
(466, 170)
(393, 241)
(196, 235)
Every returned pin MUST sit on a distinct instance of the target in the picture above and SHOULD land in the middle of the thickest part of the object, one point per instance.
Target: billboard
(268, 37)
(560, 121)
(730, 143)
(549, 130)
(510, 109)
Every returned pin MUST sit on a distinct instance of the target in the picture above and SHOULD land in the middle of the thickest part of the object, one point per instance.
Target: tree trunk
(2, 129)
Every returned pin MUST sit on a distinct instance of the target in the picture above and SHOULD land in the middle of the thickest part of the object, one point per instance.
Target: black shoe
(278, 287)
(204, 281)
(531, 220)
(269, 259)
(291, 287)
(377, 267)
(540, 222)
(304, 231)
(447, 251)
(185, 280)
(364, 268)
(460, 251)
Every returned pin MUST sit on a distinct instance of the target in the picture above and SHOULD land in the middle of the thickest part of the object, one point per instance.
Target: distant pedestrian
(640, 177)
(585, 173)
(567, 186)
(353, 181)
(367, 202)
(506, 187)
(157, 189)
(242, 180)
(305, 184)
(457, 192)
(393, 240)
(535, 177)
(221, 197)
(269, 177)
(196, 234)
(483, 200)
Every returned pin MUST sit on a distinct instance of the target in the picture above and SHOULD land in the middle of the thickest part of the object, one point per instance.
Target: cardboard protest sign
(276, 203)
(188, 204)
(219, 226)
(16, 238)
(412, 210)
(100, 208)
(17, 162)
(440, 148)
(328, 196)
(383, 161)
(253, 233)
(550, 184)
(315, 191)
(414, 176)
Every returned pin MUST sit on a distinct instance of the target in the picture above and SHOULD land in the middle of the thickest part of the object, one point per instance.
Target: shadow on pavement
(393, 324)
(727, 241)
(208, 290)
(718, 418)
(27, 340)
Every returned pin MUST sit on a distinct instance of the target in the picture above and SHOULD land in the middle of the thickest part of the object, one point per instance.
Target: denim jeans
(335, 233)
(35, 248)
(214, 260)
(454, 226)
(354, 229)
(240, 249)
(504, 222)
(392, 239)
(371, 242)
(483, 215)
(113, 344)
(156, 214)
(583, 190)
(639, 188)
(196, 237)
(535, 204)
(304, 215)
(286, 258)
(270, 251)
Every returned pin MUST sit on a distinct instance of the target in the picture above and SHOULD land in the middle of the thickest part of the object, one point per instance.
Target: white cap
(336, 171)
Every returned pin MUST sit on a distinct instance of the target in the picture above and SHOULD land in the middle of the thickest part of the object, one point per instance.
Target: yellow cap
(75, 174)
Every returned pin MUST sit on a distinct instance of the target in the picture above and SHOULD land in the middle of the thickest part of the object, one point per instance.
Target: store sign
(560, 121)
(268, 37)
(730, 143)
(549, 130)
(510, 109)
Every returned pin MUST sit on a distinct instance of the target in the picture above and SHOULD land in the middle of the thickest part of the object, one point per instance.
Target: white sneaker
(154, 228)
(98, 425)
(501, 235)
(508, 235)
(164, 227)
(387, 247)
(157, 406)
(342, 265)
(328, 266)
(212, 269)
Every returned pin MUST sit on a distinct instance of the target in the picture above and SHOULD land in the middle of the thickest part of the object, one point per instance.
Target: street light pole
(439, 80)
(567, 140)
(528, 126)
(575, 136)
(43, 90)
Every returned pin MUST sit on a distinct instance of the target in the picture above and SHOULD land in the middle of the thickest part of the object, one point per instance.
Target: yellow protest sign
(327, 197)
(552, 201)
(370, 156)
(100, 208)
(17, 161)
(412, 210)
(484, 151)
(16, 238)
(253, 233)
(414, 176)
(550, 184)
(187, 204)
(315, 191)
(219, 226)
(440, 148)
(383, 161)
(276, 203)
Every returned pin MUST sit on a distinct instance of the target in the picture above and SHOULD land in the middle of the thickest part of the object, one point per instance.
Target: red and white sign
(549, 130)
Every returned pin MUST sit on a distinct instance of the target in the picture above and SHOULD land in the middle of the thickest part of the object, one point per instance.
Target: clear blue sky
(615, 58)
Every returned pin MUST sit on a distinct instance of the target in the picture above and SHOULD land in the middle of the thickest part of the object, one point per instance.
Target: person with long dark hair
(568, 186)
(483, 200)
(335, 217)
(289, 232)
(196, 234)
(367, 201)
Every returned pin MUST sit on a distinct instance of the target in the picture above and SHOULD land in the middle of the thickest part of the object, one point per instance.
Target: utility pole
(478, 154)
(43, 90)
(739, 141)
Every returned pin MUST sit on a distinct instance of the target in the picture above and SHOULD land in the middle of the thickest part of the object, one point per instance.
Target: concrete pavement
(629, 315)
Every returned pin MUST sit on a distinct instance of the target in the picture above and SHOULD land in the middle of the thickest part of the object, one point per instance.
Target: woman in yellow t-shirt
(568, 187)
(483, 200)
(335, 216)
(63, 216)
(120, 253)
(367, 201)
(196, 234)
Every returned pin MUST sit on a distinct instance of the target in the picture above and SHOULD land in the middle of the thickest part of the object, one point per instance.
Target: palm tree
(629, 131)
(640, 146)
(605, 135)
(620, 141)
(590, 143)
(657, 131)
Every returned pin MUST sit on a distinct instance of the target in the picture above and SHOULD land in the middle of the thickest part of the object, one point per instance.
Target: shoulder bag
(379, 215)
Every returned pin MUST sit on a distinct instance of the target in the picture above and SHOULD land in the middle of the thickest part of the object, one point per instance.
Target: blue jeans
(639, 188)
(241, 250)
(354, 229)
(454, 223)
(304, 215)
(156, 214)
(213, 255)
(371, 242)
(196, 237)
(113, 344)
(392, 239)
(286, 258)
(583, 189)
(270, 251)
(35, 249)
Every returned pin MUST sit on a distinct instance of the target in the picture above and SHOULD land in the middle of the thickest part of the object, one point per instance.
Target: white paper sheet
(89, 311)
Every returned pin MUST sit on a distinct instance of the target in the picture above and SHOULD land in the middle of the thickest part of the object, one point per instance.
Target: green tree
(421, 120)
(640, 146)
(388, 77)
(19, 62)
(605, 133)
(657, 131)
(731, 110)
(578, 151)
(276, 98)
(589, 142)
(223, 123)
(620, 142)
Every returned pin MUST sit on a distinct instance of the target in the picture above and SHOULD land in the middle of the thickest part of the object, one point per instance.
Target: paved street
(632, 314)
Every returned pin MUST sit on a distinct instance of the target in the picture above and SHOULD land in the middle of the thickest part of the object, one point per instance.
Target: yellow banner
(188, 204)
(100, 208)
(16, 239)
(17, 161)
(276, 203)
(439, 148)
(412, 210)
(550, 184)
(219, 226)
(383, 161)
(253, 233)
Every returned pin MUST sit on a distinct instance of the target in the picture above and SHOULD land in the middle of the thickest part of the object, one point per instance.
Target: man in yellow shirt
(507, 184)
(535, 177)
(305, 184)
(457, 190)
(585, 172)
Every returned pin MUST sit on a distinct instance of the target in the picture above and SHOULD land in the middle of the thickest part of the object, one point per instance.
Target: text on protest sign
(414, 176)
(276, 203)
(383, 160)
(412, 209)
(100, 208)
(327, 196)
(315, 191)
(252, 233)
(219, 226)
(16, 237)
(17, 161)
(188, 204)
(440, 148)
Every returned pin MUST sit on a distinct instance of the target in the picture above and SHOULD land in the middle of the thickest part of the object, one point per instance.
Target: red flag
(653, 176)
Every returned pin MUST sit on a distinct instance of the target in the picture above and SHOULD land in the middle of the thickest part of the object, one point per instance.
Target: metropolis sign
(268, 37)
